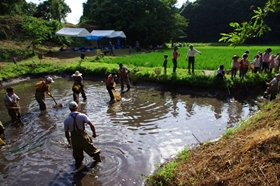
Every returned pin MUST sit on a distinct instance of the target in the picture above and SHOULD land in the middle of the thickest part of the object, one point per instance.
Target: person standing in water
(77, 137)
(41, 88)
(78, 82)
(123, 77)
(110, 85)
(11, 103)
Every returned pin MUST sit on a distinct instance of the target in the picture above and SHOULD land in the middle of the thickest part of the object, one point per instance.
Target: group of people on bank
(262, 62)
(74, 124)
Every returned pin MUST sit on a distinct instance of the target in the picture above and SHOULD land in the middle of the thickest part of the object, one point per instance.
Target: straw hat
(235, 56)
(77, 73)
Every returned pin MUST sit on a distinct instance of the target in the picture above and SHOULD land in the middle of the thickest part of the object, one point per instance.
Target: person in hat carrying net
(78, 86)
(41, 88)
(78, 138)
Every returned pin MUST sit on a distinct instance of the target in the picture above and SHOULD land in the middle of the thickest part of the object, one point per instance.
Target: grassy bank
(142, 66)
(246, 155)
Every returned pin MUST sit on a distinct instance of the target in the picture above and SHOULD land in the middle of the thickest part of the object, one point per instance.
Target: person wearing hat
(78, 86)
(190, 57)
(123, 77)
(272, 87)
(10, 101)
(41, 88)
(110, 84)
(234, 66)
(78, 138)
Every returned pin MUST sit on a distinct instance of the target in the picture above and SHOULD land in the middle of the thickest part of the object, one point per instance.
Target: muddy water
(146, 128)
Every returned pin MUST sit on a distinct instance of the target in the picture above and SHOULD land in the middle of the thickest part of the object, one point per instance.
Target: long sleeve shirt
(192, 52)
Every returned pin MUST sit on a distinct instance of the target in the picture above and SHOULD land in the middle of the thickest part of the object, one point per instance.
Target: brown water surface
(146, 128)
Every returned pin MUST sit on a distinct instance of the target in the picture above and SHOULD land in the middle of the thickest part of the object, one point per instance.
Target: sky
(77, 8)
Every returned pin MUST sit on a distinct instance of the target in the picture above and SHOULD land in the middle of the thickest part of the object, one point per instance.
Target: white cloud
(77, 8)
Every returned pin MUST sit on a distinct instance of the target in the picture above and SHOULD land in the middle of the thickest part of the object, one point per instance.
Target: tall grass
(143, 64)
(212, 56)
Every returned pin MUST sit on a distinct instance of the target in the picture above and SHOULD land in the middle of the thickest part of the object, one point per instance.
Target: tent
(73, 32)
(120, 34)
(99, 34)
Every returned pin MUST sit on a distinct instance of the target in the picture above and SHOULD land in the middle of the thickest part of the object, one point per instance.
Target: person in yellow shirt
(41, 88)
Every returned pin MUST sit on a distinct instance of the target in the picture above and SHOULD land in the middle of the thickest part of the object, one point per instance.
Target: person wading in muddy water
(11, 103)
(41, 88)
(78, 86)
(123, 77)
(272, 88)
(79, 139)
(110, 85)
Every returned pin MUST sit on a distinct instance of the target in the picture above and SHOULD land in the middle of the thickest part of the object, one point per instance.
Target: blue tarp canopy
(120, 34)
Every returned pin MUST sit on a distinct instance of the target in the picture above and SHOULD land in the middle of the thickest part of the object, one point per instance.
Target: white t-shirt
(9, 100)
(81, 119)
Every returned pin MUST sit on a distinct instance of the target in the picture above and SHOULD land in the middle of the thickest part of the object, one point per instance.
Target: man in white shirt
(190, 57)
(77, 137)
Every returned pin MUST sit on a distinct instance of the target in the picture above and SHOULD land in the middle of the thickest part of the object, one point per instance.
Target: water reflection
(146, 128)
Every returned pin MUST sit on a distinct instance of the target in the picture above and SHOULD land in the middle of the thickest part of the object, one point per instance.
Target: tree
(12, 7)
(53, 10)
(30, 9)
(149, 21)
(256, 27)
(208, 18)
(36, 30)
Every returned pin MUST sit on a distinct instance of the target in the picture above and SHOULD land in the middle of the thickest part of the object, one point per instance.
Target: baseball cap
(49, 79)
(73, 105)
